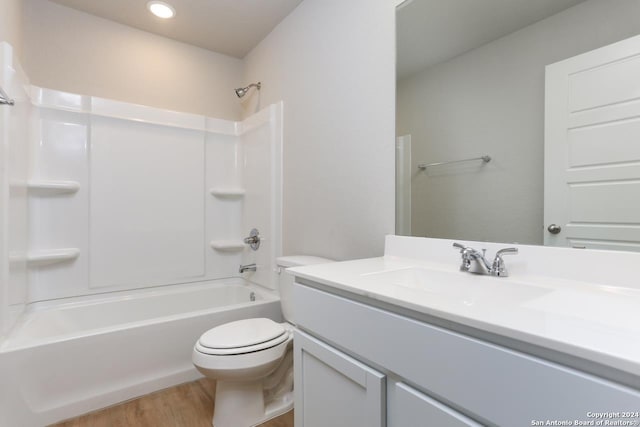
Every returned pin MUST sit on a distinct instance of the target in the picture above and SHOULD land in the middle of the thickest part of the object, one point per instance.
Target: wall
(14, 152)
(490, 100)
(11, 24)
(333, 64)
(76, 52)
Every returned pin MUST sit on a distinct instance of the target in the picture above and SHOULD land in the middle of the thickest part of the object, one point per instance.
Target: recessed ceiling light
(161, 9)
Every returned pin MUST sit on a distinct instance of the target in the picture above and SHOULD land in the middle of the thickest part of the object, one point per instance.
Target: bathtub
(68, 357)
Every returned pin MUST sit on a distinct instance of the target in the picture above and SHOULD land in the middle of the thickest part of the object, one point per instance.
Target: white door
(403, 185)
(592, 149)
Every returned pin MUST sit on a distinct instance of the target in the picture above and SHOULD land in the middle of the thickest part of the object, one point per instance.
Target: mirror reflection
(471, 103)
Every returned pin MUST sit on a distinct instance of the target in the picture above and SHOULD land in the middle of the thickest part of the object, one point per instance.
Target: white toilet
(252, 360)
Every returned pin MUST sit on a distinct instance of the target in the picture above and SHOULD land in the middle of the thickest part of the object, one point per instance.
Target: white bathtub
(66, 358)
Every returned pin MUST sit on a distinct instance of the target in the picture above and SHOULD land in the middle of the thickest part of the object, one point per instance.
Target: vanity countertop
(593, 321)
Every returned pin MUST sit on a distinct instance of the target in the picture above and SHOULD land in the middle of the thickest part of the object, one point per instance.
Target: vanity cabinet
(409, 407)
(435, 376)
(333, 389)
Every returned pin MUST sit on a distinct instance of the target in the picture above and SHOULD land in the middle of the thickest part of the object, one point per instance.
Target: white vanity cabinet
(333, 389)
(409, 407)
(434, 376)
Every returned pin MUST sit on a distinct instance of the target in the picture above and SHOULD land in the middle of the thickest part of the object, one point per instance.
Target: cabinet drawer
(493, 384)
(411, 408)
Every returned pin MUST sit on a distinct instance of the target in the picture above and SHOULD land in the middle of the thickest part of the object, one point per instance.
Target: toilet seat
(241, 337)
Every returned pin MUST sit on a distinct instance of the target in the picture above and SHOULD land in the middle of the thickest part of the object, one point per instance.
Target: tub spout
(248, 267)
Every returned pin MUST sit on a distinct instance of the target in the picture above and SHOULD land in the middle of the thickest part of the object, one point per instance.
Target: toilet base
(250, 403)
(241, 404)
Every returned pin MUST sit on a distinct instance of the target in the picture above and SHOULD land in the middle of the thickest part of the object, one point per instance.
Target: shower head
(242, 91)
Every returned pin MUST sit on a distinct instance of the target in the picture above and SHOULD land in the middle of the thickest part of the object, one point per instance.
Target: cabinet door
(333, 389)
(411, 408)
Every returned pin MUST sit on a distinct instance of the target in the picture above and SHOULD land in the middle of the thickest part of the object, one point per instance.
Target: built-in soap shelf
(228, 192)
(228, 245)
(52, 256)
(51, 187)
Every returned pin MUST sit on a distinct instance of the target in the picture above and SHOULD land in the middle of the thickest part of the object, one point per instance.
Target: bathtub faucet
(248, 267)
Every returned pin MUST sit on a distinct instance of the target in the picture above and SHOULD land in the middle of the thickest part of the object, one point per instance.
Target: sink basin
(462, 287)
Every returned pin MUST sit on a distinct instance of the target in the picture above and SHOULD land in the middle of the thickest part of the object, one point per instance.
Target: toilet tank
(285, 281)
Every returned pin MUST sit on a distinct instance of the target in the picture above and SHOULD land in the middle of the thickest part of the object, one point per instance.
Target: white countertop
(596, 322)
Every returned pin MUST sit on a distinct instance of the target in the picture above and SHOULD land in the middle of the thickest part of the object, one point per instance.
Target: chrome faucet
(475, 262)
(247, 267)
(253, 240)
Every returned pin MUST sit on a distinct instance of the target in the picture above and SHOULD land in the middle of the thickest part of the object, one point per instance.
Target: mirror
(470, 122)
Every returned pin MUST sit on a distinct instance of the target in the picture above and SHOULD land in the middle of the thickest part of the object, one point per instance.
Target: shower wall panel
(263, 184)
(224, 158)
(138, 197)
(146, 205)
(13, 189)
(58, 219)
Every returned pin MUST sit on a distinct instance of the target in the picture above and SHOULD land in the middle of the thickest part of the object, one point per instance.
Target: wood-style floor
(186, 405)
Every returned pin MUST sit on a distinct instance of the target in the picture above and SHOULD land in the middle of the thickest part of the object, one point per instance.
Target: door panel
(333, 389)
(592, 149)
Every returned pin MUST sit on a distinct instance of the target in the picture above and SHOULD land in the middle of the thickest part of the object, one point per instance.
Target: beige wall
(76, 52)
(491, 100)
(11, 24)
(333, 64)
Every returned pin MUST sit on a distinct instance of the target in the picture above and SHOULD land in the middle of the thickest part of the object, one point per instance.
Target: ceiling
(433, 31)
(231, 27)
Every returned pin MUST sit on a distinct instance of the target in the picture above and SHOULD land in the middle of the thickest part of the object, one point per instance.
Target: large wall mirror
(471, 104)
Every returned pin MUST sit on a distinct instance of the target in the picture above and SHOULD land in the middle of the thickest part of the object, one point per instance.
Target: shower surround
(107, 207)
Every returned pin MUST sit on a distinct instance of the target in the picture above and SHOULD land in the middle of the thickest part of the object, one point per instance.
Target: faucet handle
(459, 246)
(498, 268)
(253, 240)
(466, 261)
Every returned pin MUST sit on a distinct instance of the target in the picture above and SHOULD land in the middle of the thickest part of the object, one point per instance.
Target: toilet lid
(284, 338)
(242, 333)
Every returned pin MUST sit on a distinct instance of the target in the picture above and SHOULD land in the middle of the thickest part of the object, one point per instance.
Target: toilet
(252, 360)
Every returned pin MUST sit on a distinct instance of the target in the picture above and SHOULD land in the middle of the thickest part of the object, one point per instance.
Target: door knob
(554, 229)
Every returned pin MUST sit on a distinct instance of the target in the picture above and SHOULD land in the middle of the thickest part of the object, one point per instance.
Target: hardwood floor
(186, 405)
